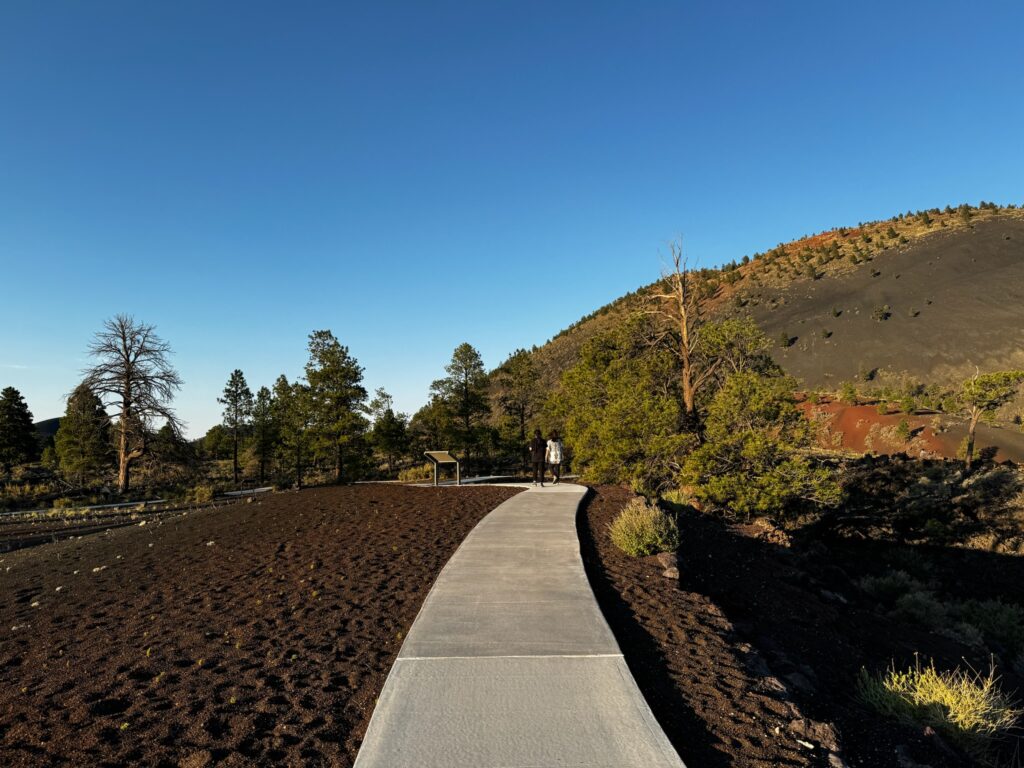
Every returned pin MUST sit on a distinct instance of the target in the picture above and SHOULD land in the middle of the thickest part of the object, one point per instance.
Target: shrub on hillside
(751, 462)
(998, 622)
(968, 708)
(643, 529)
(889, 587)
(676, 498)
(921, 608)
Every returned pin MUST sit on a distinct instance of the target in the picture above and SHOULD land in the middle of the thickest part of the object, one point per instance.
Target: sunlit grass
(967, 707)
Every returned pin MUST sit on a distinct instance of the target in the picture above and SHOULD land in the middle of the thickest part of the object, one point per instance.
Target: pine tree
(464, 395)
(519, 394)
(337, 398)
(981, 396)
(264, 430)
(390, 434)
(237, 402)
(83, 442)
(293, 417)
(17, 433)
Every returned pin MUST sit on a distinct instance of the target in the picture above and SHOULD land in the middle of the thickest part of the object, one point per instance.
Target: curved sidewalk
(510, 662)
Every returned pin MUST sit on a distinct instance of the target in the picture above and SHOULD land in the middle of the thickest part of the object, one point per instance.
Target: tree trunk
(234, 456)
(298, 467)
(689, 400)
(123, 477)
(339, 463)
(971, 429)
(123, 461)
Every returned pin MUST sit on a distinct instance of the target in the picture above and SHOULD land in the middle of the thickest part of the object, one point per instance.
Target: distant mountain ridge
(47, 429)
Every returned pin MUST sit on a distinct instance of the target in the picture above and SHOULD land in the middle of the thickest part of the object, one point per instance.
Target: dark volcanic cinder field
(763, 637)
(257, 633)
(955, 301)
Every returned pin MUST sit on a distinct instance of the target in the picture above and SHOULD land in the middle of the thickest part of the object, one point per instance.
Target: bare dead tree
(135, 381)
(678, 299)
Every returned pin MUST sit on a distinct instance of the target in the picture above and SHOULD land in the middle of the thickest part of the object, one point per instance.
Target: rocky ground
(751, 657)
(258, 633)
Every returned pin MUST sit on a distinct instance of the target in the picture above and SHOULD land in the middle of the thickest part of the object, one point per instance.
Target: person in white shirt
(553, 456)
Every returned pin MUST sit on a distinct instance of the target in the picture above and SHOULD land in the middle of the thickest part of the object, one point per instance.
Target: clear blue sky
(414, 175)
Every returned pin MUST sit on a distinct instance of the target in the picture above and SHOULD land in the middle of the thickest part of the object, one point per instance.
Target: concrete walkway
(510, 662)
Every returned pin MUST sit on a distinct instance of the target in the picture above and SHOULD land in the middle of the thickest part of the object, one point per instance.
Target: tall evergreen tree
(82, 441)
(293, 417)
(429, 427)
(237, 402)
(464, 394)
(622, 408)
(264, 430)
(390, 434)
(17, 432)
(337, 397)
(519, 394)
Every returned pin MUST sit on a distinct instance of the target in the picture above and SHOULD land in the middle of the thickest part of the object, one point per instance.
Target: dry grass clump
(199, 494)
(416, 472)
(966, 706)
(643, 529)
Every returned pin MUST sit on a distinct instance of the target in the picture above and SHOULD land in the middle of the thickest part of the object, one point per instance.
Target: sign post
(437, 458)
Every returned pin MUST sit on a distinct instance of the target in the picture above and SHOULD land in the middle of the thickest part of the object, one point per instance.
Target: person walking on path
(538, 454)
(554, 456)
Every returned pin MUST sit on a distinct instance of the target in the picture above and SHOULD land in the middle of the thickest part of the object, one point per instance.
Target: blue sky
(414, 175)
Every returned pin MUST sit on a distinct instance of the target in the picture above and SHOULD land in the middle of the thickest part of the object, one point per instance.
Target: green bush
(998, 622)
(888, 588)
(921, 608)
(751, 462)
(848, 393)
(676, 498)
(642, 529)
(903, 430)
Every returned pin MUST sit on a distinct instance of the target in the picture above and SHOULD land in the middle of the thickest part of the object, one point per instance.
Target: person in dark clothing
(538, 453)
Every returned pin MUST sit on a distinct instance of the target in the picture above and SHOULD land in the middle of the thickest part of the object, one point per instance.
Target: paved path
(510, 662)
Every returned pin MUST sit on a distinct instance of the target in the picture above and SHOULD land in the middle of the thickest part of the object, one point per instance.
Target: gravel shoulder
(256, 633)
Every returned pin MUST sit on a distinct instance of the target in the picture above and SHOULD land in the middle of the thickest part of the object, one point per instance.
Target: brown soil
(763, 630)
(862, 429)
(257, 633)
